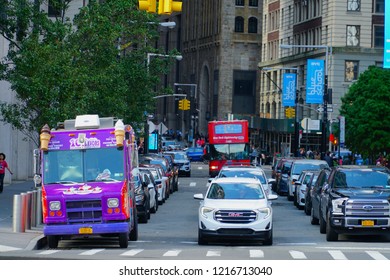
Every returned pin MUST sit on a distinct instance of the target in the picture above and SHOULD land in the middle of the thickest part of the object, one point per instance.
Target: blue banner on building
(386, 52)
(289, 89)
(315, 81)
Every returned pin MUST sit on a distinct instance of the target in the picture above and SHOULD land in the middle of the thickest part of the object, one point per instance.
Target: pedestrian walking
(3, 166)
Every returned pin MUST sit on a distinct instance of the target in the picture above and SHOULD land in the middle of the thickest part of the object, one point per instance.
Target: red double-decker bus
(228, 144)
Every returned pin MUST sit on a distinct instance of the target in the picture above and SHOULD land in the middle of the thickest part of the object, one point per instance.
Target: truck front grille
(235, 216)
(367, 208)
(81, 212)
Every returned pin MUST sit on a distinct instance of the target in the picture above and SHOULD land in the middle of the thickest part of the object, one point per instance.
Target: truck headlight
(55, 205)
(112, 202)
(337, 205)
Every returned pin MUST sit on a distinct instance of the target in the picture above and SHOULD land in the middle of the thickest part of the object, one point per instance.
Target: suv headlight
(264, 213)
(337, 205)
(205, 211)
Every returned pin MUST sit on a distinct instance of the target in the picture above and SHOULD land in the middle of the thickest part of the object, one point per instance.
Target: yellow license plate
(85, 230)
(367, 223)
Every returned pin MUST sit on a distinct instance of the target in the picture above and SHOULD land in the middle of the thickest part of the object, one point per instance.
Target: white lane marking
(354, 248)
(213, 253)
(376, 255)
(192, 184)
(48, 252)
(132, 252)
(172, 253)
(297, 255)
(256, 253)
(91, 252)
(4, 248)
(337, 255)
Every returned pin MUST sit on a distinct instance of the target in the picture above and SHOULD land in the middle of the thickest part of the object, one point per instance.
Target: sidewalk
(10, 240)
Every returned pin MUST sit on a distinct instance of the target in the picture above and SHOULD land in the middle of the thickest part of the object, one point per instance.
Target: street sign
(320, 109)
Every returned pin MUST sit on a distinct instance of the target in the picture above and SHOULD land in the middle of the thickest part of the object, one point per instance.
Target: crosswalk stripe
(297, 255)
(132, 252)
(172, 253)
(256, 253)
(193, 184)
(4, 248)
(91, 252)
(48, 252)
(337, 255)
(376, 255)
(213, 253)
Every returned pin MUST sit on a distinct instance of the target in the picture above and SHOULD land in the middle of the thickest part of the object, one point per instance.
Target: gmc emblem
(231, 214)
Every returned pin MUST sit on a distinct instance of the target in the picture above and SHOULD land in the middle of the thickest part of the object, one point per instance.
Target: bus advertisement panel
(228, 144)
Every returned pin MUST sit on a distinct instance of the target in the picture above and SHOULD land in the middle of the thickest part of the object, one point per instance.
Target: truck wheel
(313, 220)
(322, 224)
(331, 234)
(52, 241)
(123, 240)
(133, 235)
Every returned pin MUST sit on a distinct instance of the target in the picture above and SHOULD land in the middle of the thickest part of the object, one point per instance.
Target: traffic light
(335, 141)
(187, 104)
(292, 112)
(288, 112)
(147, 5)
(181, 104)
(166, 7)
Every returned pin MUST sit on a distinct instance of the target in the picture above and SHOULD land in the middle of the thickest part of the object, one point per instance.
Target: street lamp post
(296, 124)
(325, 92)
(146, 127)
(195, 99)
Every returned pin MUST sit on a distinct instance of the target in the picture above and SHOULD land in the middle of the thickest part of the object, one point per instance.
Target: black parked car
(309, 186)
(355, 201)
(315, 196)
(142, 196)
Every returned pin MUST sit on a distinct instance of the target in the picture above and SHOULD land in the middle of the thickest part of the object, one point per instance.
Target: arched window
(252, 25)
(239, 24)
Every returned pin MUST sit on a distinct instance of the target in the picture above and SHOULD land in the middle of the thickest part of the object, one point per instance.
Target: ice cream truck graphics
(87, 186)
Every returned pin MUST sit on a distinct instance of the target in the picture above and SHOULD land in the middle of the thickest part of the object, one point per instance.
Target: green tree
(92, 64)
(365, 108)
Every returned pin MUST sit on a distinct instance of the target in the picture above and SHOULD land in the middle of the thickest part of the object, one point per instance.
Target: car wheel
(307, 209)
(313, 220)
(289, 197)
(154, 208)
(269, 240)
(123, 240)
(52, 241)
(201, 239)
(295, 198)
(331, 234)
(322, 223)
(133, 235)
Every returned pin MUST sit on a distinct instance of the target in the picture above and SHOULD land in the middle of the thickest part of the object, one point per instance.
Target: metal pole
(28, 210)
(18, 219)
(33, 208)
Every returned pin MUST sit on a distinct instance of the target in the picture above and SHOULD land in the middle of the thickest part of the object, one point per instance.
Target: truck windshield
(77, 166)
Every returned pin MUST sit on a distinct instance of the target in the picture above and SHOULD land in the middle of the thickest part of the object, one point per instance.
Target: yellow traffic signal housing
(292, 112)
(288, 113)
(181, 104)
(147, 5)
(187, 104)
(166, 7)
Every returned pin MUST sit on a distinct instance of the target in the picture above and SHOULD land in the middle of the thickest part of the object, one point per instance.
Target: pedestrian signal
(166, 7)
(147, 5)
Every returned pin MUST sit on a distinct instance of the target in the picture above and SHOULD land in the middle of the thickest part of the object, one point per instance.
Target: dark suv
(355, 201)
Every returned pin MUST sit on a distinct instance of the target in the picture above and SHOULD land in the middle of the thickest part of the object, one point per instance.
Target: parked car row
(155, 180)
(345, 199)
(236, 206)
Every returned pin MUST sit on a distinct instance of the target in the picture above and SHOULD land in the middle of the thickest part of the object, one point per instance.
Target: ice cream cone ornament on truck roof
(119, 133)
(45, 137)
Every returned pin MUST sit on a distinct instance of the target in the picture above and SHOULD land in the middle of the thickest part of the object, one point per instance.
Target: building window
(379, 7)
(252, 25)
(239, 24)
(253, 3)
(351, 70)
(353, 5)
(54, 9)
(353, 35)
(240, 2)
(379, 35)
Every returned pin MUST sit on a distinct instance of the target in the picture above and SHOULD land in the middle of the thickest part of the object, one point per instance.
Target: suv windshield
(235, 191)
(244, 173)
(362, 179)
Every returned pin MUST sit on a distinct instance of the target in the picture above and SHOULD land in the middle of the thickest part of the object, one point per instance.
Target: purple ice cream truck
(87, 187)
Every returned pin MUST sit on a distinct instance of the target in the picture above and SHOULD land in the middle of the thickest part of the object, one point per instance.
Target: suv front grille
(367, 208)
(235, 216)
